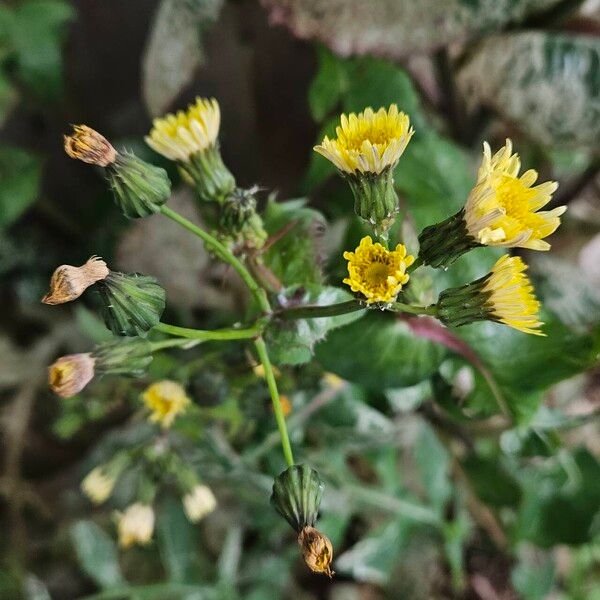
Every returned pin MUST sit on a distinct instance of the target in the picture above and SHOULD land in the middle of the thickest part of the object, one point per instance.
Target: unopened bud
(68, 283)
(89, 146)
(317, 551)
(70, 374)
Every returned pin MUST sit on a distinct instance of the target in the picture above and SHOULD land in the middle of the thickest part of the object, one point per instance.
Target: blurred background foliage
(431, 491)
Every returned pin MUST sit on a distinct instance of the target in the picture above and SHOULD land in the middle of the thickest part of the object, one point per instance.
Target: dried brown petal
(68, 283)
(316, 550)
(70, 374)
(89, 146)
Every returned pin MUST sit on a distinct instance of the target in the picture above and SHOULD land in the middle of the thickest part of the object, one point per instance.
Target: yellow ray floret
(503, 209)
(512, 299)
(368, 142)
(178, 136)
(376, 272)
(166, 399)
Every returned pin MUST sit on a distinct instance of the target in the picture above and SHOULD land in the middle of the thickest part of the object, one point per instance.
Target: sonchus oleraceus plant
(504, 209)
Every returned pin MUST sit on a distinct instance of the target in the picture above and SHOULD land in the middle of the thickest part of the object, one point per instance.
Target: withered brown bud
(70, 374)
(316, 550)
(68, 283)
(89, 146)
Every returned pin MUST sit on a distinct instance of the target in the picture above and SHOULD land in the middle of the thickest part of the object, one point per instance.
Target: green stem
(314, 312)
(224, 254)
(279, 417)
(414, 310)
(203, 335)
(162, 344)
(418, 263)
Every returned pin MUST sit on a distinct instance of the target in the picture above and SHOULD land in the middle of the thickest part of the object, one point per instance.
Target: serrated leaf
(20, 173)
(296, 258)
(97, 554)
(546, 83)
(380, 352)
(396, 28)
(173, 51)
(292, 342)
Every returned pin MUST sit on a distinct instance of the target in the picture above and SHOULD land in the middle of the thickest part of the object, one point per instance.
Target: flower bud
(317, 550)
(297, 494)
(98, 485)
(68, 283)
(132, 304)
(69, 374)
(136, 525)
(89, 146)
(199, 502)
(240, 221)
(128, 357)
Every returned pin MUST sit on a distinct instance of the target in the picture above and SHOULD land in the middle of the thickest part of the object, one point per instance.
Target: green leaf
(20, 173)
(8, 97)
(433, 462)
(175, 540)
(492, 483)
(546, 83)
(292, 342)
(561, 502)
(97, 554)
(380, 352)
(296, 258)
(36, 33)
(328, 85)
(533, 576)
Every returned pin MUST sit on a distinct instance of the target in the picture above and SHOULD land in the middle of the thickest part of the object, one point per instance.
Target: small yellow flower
(136, 525)
(503, 209)
(369, 142)
(377, 273)
(199, 502)
(512, 298)
(68, 283)
(89, 146)
(98, 485)
(178, 136)
(166, 399)
(69, 374)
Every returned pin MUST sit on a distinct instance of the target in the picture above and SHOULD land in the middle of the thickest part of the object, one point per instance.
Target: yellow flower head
(69, 374)
(368, 142)
(512, 299)
(136, 525)
(166, 399)
(98, 485)
(178, 136)
(503, 209)
(376, 272)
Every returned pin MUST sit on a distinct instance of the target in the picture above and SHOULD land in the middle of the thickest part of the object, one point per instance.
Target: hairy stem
(203, 335)
(414, 310)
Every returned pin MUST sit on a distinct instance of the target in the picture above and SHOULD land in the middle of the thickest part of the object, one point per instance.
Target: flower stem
(203, 335)
(223, 253)
(418, 263)
(279, 417)
(314, 312)
(414, 310)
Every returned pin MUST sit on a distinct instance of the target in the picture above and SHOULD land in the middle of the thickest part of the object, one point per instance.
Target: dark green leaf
(380, 352)
(492, 483)
(97, 554)
(20, 173)
(328, 85)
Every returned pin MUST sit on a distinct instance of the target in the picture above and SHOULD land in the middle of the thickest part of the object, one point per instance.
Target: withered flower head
(89, 146)
(68, 283)
(70, 374)
(316, 550)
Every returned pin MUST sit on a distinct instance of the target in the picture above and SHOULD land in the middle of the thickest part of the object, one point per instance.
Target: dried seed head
(70, 374)
(68, 283)
(89, 146)
(316, 550)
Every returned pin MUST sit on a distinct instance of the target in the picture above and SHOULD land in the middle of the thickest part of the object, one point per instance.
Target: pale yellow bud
(136, 525)
(89, 146)
(199, 503)
(70, 374)
(98, 485)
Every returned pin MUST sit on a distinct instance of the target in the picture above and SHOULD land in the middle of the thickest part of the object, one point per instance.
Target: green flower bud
(212, 179)
(128, 357)
(139, 188)
(132, 304)
(297, 494)
(240, 221)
